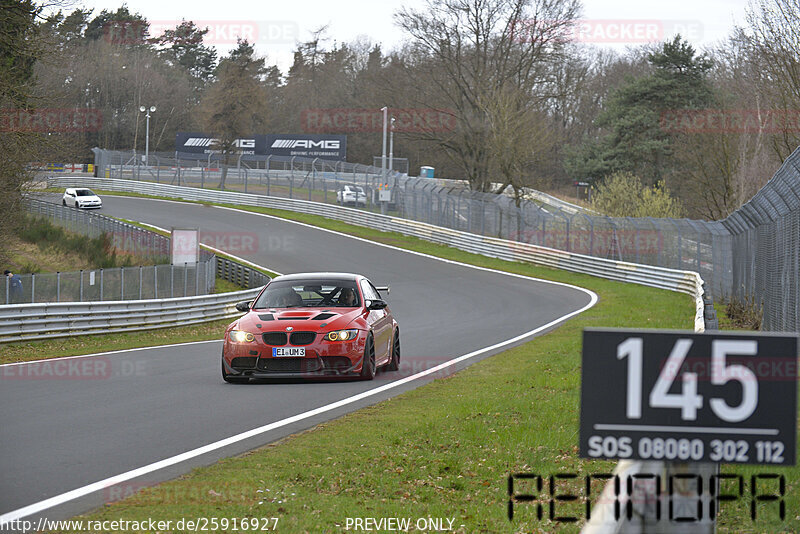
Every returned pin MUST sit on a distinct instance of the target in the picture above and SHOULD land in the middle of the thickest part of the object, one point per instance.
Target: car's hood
(300, 319)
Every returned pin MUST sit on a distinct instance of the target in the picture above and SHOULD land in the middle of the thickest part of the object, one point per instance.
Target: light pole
(383, 154)
(391, 145)
(147, 112)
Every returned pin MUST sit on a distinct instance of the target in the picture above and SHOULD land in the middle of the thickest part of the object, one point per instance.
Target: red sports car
(312, 325)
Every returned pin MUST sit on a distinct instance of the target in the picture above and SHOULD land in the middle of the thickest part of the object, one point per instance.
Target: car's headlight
(240, 336)
(341, 335)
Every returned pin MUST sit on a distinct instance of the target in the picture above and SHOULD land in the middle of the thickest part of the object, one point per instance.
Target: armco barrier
(22, 322)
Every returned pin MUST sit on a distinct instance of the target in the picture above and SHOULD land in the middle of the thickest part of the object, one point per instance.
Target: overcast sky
(276, 26)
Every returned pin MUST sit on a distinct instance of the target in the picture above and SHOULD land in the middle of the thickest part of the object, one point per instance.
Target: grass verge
(516, 412)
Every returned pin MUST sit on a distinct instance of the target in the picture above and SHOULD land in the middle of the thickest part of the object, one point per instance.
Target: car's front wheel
(394, 362)
(368, 364)
(63, 202)
(233, 379)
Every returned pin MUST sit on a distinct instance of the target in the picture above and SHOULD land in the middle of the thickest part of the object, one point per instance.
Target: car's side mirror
(243, 306)
(376, 304)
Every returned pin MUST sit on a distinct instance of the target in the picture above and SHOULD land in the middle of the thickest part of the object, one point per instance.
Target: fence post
(101, 284)
(7, 285)
(58, 286)
(268, 178)
(185, 274)
(140, 282)
(155, 281)
(122, 283)
(33, 287)
(80, 297)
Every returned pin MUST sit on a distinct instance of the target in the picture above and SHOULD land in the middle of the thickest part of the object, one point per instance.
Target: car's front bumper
(322, 358)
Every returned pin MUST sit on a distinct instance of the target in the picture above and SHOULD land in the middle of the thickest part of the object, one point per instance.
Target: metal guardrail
(22, 322)
(241, 275)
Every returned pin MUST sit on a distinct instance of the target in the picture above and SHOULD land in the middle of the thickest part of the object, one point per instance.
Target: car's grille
(244, 362)
(302, 338)
(275, 338)
(289, 365)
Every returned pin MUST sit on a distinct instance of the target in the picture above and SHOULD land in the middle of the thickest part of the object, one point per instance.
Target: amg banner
(310, 146)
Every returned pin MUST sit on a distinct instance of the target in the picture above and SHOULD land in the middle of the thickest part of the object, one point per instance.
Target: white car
(81, 197)
(351, 194)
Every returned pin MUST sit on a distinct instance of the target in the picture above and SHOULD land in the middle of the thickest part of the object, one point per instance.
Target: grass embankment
(444, 450)
(39, 246)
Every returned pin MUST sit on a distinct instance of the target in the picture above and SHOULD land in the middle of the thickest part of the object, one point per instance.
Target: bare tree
(775, 33)
(467, 53)
(518, 137)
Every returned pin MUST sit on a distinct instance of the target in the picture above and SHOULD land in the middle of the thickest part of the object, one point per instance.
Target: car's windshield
(84, 192)
(309, 293)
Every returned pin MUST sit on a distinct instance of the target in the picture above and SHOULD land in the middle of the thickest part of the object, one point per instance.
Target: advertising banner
(332, 147)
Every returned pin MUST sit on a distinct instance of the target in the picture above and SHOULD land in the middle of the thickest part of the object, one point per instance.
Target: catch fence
(159, 281)
(752, 255)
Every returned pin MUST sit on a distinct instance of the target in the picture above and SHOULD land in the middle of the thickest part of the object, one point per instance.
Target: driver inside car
(347, 297)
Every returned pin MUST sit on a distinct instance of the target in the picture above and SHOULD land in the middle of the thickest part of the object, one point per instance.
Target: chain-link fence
(753, 254)
(120, 283)
(765, 236)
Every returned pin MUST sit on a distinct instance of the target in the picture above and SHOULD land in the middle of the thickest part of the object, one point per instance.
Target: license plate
(292, 352)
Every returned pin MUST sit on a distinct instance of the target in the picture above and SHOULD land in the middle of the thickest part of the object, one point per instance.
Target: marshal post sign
(689, 397)
(333, 147)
